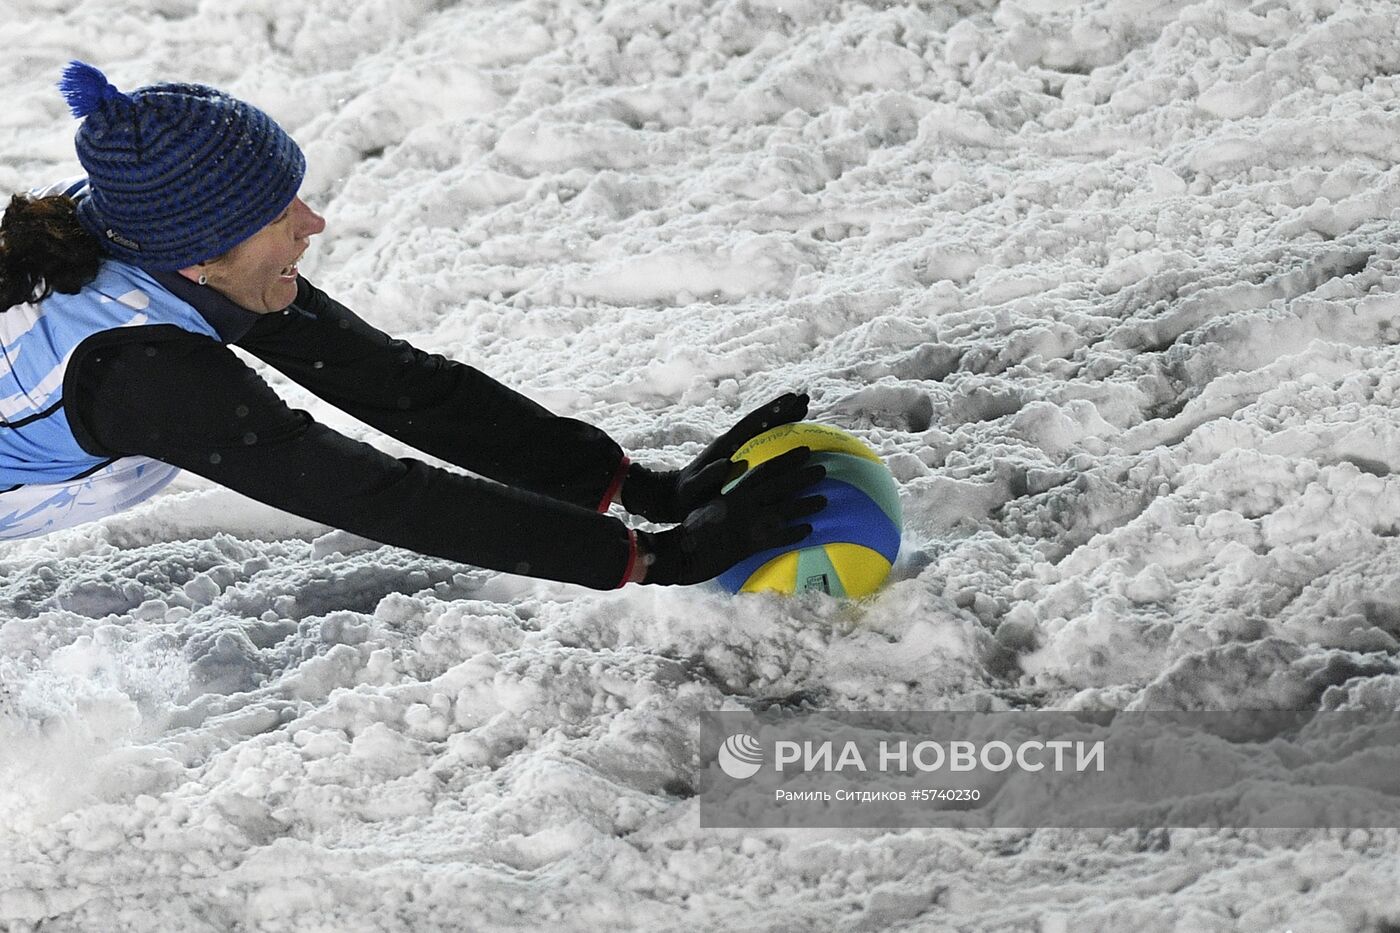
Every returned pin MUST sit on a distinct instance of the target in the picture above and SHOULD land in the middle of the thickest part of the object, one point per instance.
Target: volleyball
(854, 540)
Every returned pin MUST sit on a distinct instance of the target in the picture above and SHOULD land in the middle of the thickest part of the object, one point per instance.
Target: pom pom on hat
(177, 173)
(86, 89)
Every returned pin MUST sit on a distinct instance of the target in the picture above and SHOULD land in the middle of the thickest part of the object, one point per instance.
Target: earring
(203, 279)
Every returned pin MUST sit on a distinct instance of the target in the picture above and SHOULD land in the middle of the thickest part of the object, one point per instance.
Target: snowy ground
(1112, 284)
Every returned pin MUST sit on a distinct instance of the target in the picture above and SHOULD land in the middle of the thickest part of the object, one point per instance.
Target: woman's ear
(198, 273)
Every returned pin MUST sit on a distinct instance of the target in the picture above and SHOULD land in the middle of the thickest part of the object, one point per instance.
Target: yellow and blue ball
(855, 538)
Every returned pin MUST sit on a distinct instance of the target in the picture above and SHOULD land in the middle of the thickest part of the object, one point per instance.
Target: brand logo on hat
(120, 240)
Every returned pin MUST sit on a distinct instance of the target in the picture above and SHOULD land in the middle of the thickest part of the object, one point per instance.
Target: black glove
(669, 496)
(753, 516)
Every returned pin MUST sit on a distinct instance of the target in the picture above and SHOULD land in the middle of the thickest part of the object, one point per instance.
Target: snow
(1111, 285)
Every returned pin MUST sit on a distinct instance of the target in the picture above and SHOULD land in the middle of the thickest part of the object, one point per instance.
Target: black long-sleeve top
(188, 400)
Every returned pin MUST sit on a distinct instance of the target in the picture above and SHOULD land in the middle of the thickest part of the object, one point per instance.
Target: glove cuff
(611, 492)
(631, 559)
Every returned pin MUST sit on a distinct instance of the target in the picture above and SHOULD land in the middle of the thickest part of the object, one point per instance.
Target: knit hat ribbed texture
(177, 173)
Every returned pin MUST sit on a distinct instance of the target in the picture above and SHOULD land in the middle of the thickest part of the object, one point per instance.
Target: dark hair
(43, 249)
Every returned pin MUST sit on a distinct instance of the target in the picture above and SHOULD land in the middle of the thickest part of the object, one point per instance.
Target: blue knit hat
(177, 173)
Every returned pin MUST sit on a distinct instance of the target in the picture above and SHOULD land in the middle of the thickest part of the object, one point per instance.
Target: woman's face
(260, 273)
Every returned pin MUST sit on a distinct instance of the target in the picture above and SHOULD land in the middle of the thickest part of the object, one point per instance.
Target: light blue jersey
(47, 480)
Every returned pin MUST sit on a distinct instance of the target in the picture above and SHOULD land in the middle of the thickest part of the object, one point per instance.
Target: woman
(125, 288)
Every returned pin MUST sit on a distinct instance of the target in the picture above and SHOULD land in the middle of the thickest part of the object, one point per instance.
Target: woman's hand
(669, 496)
(763, 511)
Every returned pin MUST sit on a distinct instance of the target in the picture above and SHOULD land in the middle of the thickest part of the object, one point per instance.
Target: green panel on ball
(815, 571)
(870, 477)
